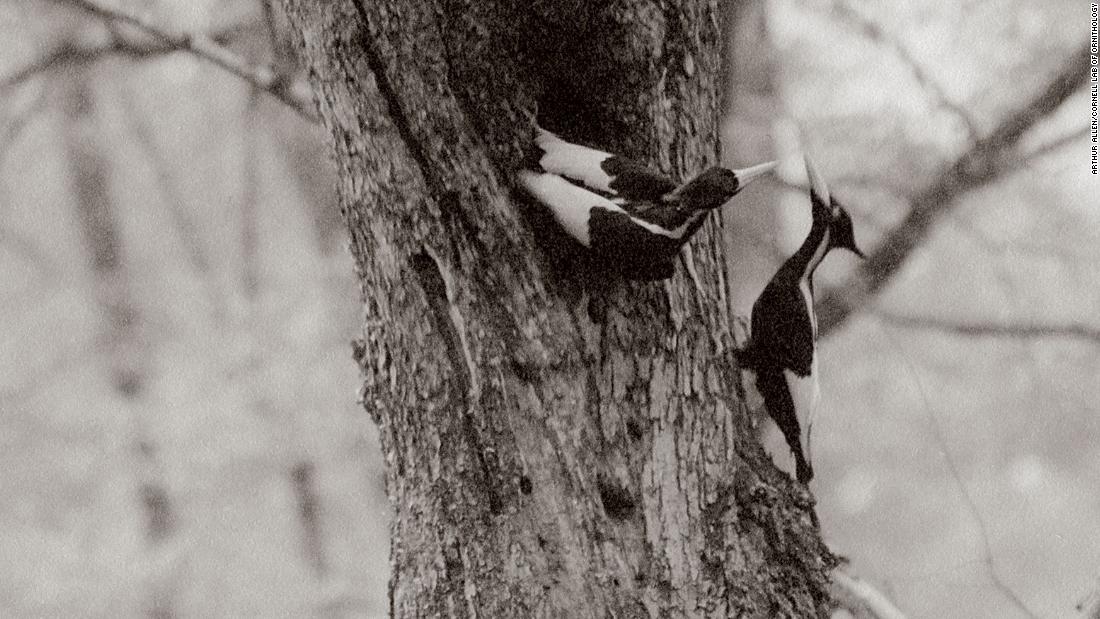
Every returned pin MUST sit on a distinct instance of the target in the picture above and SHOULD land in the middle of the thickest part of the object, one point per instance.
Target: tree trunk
(555, 447)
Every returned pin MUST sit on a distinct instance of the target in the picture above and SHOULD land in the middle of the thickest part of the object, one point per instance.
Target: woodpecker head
(830, 212)
(716, 186)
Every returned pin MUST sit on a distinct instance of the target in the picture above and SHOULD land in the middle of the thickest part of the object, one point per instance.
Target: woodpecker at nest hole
(631, 218)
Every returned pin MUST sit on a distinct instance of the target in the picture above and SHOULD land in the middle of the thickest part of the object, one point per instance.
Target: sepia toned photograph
(640, 309)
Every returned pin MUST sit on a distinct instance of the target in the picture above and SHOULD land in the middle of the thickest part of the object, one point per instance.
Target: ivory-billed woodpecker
(782, 349)
(630, 217)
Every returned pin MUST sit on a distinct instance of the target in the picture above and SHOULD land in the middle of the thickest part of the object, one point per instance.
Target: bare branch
(985, 161)
(17, 125)
(18, 243)
(63, 54)
(250, 207)
(279, 51)
(262, 77)
(1034, 249)
(979, 329)
(187, 228)
(1053, 146)
(876, 33)
(303, 478)
(971, 505)
(69, 52)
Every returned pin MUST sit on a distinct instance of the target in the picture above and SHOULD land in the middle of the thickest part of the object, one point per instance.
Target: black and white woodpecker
(631, 218)
(782, 349)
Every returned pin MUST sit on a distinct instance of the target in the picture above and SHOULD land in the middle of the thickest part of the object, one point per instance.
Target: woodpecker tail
(773, 387)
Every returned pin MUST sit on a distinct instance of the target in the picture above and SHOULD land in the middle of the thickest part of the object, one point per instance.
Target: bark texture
(556, 445)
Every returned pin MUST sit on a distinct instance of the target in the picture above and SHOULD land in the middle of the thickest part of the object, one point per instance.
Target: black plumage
(782, 350)
(631, 218)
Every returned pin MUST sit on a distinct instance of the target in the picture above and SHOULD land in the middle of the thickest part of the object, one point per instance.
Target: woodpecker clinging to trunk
(782, 349)
(633, 219)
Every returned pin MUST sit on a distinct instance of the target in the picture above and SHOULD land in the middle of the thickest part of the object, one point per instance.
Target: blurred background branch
(982, 329)
(875, 32)
(294, 93)
(69, 52)
(988, 158)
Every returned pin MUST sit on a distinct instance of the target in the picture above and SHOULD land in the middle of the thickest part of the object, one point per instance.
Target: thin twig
(878, 34)
(303, 478)
(250, 198)
(17, 125)
(1053, 146)
(1034, 249)
(31, 250)
(262, 77)
(69, 52)
(984, 162)
(956, 474)
(188, 229)
(980, 329)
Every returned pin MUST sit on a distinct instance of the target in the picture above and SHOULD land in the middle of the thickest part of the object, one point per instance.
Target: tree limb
(987, 559)
(69, 52)
(260, 76)
(1054, 145)
(878, 34)
(985, 161)
(978, 329)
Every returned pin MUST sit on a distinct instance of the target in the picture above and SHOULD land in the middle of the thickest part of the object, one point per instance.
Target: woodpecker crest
(782, 350)
(631, 217)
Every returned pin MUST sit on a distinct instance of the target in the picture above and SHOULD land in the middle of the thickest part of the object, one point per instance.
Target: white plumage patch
(804, 282)
(572, 205)
(574, 161)
(805, 393)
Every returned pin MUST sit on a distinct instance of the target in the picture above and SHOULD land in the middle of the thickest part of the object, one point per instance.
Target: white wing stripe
(571, 205)
(574, 161)
(804, 393)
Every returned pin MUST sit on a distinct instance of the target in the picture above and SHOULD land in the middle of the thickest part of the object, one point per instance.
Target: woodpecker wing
(586, 215)
(805, 393)
(570, 205)
(773, 386)
(608, 174)
(782, 329)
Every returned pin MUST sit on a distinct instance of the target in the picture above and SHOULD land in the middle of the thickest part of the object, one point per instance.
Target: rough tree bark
(553, 447)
